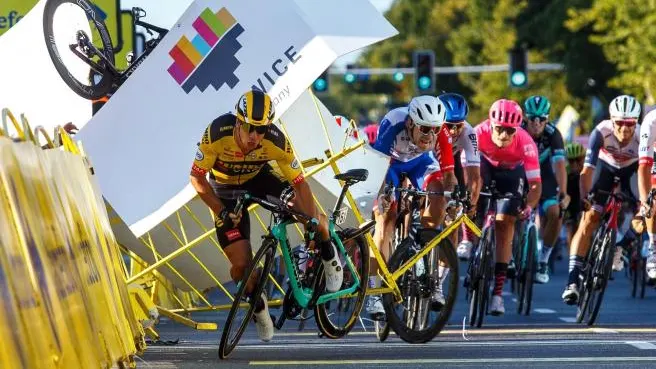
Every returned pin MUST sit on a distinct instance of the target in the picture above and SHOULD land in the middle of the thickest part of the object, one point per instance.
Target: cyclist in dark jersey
(554, 176)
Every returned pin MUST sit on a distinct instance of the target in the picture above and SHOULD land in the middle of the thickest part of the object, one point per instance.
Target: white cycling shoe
(263, 322)
(464, 250)
(333, 272)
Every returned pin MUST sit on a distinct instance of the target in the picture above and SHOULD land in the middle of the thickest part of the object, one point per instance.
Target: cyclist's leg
(590, 219)
(514, 182)
(550, 224)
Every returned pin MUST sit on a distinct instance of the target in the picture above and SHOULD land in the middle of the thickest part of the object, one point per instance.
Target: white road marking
(567, 319)
(544, 311)
(460, 361)
(642, 345)
(603, 330)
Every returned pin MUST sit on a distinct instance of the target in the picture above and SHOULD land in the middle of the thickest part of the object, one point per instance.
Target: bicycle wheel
(529, 270)
(484, 283)
(63, 27)
(587, 278)
(336, 318)
(236, 325)
(642, 265)
(634, 268)
(475, 273)
(413, 320)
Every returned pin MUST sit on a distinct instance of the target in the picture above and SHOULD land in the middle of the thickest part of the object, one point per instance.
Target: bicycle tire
(267, 251)
(403, 253)
(529, 270)
(520, 277)
(485, 282)
(643, 273)
(89, 92)
(586, 280)
(322, 316)
(603, 272)
(634, 267)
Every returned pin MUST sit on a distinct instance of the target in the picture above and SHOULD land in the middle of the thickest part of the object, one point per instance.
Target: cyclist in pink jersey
(509, 157)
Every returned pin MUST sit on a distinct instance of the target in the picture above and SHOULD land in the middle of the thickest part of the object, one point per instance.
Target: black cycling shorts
(507, 181)
(266, 182)
(603, 180)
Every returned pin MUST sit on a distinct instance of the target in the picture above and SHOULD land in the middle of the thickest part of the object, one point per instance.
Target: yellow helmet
(255, 107)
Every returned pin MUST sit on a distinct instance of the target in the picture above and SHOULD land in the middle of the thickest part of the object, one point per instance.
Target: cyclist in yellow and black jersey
(235, 149)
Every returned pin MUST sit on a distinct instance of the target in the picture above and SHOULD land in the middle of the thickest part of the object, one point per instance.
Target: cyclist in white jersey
(647, 181)
(612, 152)
(466, 158)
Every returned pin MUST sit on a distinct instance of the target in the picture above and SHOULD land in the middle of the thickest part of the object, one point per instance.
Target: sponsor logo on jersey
(295, 164)
(199, 155)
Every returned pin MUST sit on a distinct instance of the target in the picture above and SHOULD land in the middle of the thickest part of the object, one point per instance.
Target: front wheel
(413, 320)
(528, 271)
(335, 318)
(244, 304)
(77, 39)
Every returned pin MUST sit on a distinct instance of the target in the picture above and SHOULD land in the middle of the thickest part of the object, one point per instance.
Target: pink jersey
(522, 150)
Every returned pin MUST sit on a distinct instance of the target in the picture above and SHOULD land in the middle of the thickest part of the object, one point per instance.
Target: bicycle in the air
(480, 272)
(306, 287)
(418, 263)
(91, 46)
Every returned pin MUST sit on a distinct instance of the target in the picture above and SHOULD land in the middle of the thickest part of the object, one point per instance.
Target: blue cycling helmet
(456, 107)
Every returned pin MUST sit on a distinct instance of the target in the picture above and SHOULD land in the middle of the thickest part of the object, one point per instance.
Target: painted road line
(642, 345)
(391, 345)
(603, 330)
(544, 311)
(568, 319)
(459, 361)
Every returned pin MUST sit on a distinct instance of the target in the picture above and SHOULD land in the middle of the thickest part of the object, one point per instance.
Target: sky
(165, 13)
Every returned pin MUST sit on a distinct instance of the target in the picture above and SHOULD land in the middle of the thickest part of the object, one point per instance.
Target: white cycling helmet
(427, 111)
(624, 107)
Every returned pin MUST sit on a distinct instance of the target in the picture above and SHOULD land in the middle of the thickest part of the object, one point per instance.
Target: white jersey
(647, 138)
(468, 144)
(604, 146)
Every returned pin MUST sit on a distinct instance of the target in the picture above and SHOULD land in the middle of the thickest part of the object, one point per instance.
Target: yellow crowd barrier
(63, 297)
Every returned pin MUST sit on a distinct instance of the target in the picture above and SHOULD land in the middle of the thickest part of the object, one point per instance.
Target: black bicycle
(92, 46)
(480, 272)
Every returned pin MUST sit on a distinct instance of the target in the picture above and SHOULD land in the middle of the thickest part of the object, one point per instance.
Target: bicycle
(99, 58)
(306, 287)
(416, 276)
(599, 262)
(480, 271)
(525, 248)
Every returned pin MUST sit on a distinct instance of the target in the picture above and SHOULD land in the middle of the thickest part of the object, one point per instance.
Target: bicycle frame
(303, 296)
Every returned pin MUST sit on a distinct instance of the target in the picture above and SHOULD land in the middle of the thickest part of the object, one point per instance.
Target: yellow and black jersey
(219, 153)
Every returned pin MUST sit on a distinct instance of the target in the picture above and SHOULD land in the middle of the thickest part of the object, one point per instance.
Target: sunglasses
(260, 130)
(454, 125)
(509, 130)
(427, 130)
(532, 118)
(625, 122)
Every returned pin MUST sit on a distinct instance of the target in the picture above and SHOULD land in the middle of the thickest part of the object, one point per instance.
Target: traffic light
(518, 75)
(349, 77)
(320, 85)
(424, 63)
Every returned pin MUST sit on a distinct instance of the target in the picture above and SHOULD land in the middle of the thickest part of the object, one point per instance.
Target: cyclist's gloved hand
(644, 209)
(525, 213)
(586, 203)
(383, 203)
(228, 218)
(564, 200)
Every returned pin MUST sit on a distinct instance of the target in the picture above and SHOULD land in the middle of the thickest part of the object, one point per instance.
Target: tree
(625, 32)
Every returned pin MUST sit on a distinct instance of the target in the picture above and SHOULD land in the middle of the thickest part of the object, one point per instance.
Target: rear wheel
(75, 26)
(244, 304)
(487, 273)
(529, 271)
(336, 318)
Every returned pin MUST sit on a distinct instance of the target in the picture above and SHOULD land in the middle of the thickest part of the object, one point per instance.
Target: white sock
(374, 281)
(652, 243)
(443, 273)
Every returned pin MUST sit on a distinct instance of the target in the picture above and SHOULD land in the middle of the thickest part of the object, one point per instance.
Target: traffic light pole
(448, 70)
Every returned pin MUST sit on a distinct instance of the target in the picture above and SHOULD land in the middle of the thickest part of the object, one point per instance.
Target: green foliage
(608, 42)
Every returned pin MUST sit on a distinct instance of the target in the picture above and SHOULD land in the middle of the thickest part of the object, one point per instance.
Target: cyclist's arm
(447, 164)
(203, 162)
(595, 143)
(532, 169)
(386, 136)
(470, 159)
(558, 161)
(474, 182)
(646, 152)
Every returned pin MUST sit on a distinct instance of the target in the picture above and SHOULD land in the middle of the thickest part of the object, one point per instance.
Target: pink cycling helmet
(506, 113)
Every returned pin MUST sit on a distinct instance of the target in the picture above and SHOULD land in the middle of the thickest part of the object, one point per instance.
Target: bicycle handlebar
(279, 208)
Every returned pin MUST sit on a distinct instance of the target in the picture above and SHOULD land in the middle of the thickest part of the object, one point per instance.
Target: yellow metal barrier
(64, 300)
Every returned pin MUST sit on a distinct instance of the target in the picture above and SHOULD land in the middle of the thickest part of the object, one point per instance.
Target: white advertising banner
(30, 82)
(143, 141)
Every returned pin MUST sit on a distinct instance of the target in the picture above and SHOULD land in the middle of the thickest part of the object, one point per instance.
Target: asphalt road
(624, 337)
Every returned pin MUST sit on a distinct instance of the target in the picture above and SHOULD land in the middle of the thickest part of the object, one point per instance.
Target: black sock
(327, 250)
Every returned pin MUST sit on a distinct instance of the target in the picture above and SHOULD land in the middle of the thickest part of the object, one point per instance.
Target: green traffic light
(398, 76)
(518, 78)
(349, 77)
(424, 82)
(320, 84)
